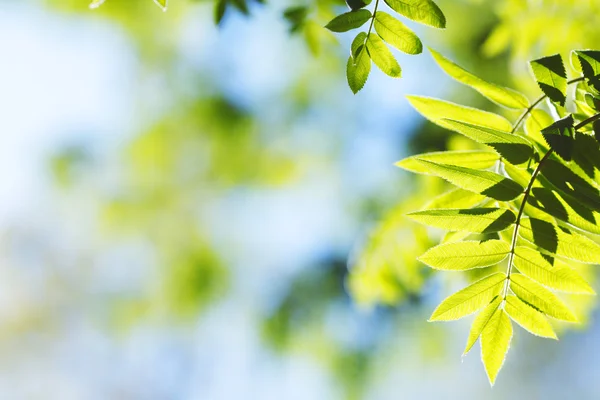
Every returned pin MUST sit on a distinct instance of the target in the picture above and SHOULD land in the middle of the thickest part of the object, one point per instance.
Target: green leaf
(495, 341)
(476, 220)
(96, 3)
(359, 64)
(560, 241)
(572, 185)
(382, 56)
(557, 277)
(515, 149)
(469, 299)
(589, 60)
(476, 159)
(356, 4)
(455, 198)
(528, 317)
(483, 182)
(423, 11)
(438, 111)
(162, 4)
(461, 256)
(560, 137)
(397, 34)
(586, 155)
(541, 298)
(551, 77)
(566, 210)
(481, 321)
(498, 94)
(349, 20)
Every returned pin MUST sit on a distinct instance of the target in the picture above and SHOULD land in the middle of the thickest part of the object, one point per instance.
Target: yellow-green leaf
(557, 277)
(476, 159)
(498, 94)
(397, 34)
(483, 182)
(461, 256)
(437, 111)
(423, 11)
(560, 241)
(96, 3)
(455, 198)
(359, 64)
(469, 299)
(535, 122)
(481, 321)
(476, 220)
(541, 298)
(382, 56)
(515, 149)
(495, 341)
(528, 317)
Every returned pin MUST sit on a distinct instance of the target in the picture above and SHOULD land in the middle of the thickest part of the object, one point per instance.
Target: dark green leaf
(560, 137)
(551, 77)
(348, 21)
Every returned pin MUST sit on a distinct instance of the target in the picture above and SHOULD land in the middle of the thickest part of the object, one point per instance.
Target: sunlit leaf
(541, 298)
(469, 299)
(437, 111)
(483, 182)
(397, 34)
(461, 256)
(423, 11)
(551, 77)
(557, 277)
(515, 149)
(476, 220)
(535, 122)
(528, 317)
(498, 94)
(455, 198)
(382, 56)
(560, 137)
(495, 341)
(571, 185)
(481, 321)
(560, 241)
(476, 159)
(359, 64)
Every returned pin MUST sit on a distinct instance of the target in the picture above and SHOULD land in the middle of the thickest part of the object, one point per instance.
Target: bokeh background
(199, 212)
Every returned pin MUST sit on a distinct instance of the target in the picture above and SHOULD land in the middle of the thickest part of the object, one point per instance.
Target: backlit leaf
(476, 159)
(560, 137)
(481, 321)
(397, 34)
(498, 94)
(483, 182)
(557, 277)
(437, 111)
(551, 77)
(495, 341)
(541, 298)
(560, 241)
(455, 198)
(515, 149)
(461, 256)
(528, 317)
(571, 185)
(423, 11)
(469, 299)
(476, 220)
(382, 56)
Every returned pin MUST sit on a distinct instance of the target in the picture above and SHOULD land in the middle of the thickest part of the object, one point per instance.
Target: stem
(513, 243)
(372, 21)
(535, 104)
(587, 121)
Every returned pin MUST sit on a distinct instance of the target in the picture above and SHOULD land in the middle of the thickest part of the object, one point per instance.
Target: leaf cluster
(535, 202)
